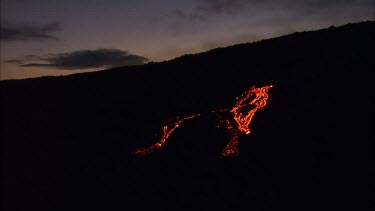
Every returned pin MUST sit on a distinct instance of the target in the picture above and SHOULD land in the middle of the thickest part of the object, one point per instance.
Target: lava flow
(251, 101)
(167, 131)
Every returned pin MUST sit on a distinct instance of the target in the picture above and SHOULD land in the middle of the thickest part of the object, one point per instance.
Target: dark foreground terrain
(67, 141)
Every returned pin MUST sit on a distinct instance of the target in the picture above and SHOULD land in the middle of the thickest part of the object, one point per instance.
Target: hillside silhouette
(67, 141)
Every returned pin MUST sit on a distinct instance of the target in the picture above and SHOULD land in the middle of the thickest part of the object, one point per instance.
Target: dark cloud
(15, 61)
(233, 6)
(221, 6)
(262, 17)
(206, 9)
(82, 59)
(30, 32)
(179, 14)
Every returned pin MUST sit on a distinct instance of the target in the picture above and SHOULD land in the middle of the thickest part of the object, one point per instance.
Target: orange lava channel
(251, 101)
(247, 104)
(167, 131)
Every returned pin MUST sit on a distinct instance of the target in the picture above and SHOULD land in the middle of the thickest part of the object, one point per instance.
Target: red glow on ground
(247, 104)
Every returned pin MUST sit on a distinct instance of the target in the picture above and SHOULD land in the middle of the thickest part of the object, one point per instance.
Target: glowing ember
(246, 106)
(232, 146)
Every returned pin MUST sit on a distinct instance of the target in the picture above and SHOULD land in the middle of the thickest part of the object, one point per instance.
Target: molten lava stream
(247, 104)
(258, 99)
(166, 133)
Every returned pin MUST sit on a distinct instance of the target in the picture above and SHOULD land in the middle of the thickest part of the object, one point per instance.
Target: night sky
(55, 37)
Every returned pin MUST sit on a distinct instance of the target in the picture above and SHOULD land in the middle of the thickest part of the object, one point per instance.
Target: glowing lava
(232, 146)
(251, 101)
(167, 131)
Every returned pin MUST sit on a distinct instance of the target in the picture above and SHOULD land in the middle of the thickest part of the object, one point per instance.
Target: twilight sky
(60, 37)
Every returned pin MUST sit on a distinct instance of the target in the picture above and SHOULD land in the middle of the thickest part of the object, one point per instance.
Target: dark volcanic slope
(66, 141)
